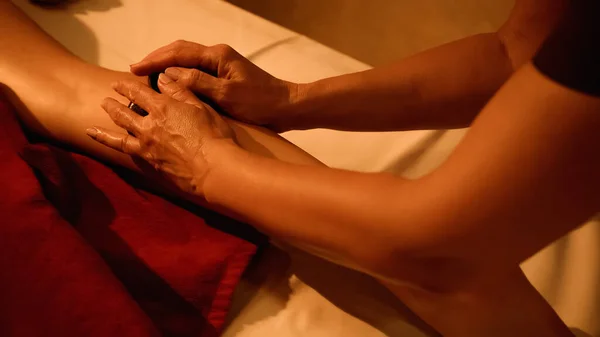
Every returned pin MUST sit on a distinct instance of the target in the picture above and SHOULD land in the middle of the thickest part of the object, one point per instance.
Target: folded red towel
(83, 253)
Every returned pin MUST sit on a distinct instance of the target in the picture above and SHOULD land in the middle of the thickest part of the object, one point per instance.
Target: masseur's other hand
(226, 78)
(179, 137)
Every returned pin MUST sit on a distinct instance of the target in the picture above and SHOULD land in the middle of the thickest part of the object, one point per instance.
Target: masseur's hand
(221, 75)
(178, 137)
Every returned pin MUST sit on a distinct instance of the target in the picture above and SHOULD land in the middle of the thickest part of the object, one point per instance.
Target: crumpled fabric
(85, 252)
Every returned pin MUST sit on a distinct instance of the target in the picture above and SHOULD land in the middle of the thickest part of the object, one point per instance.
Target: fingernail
(92, 132)
(137, 64)
(173, 73)
(164, 79)
(104, 103)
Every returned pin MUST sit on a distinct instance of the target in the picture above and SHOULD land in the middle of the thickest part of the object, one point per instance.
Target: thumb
(179, 93)
(197, 81)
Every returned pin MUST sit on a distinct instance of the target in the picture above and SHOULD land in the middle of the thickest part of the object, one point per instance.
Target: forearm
(348, 217)
(444, 87)
(445, 235)
(353, 220)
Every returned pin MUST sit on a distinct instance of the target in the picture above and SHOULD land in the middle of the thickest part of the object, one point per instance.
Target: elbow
(429, 260)
(430, 241)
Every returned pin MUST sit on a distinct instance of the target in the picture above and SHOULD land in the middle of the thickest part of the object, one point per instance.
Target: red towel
(84, 253)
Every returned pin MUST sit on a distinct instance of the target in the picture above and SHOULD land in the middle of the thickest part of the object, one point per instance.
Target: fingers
(197, 81)
(188, 55)
(122, 115)
(180, 93)
(179, 54)
(142, 95)
(121, 142)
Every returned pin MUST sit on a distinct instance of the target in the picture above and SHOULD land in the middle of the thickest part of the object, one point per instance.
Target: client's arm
(444, 87)
(59, 96)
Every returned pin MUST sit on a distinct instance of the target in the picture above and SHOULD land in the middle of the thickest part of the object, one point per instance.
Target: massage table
(322, 299)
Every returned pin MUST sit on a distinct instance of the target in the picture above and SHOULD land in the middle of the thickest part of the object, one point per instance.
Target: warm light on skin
(521, 150)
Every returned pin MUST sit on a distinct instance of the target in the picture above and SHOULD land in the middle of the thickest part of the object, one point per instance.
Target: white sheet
(115, 33)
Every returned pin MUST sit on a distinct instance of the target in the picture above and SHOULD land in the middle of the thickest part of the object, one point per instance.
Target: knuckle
(180, 43)
(147, 142)
(224, 50)
(114, 113)
(162, 106)
(224, 92)
(122, 114)
(118, 85)
(172, 54)
(179, 55)
(193, 76)
(179, 90)
(120, 111)
(180, 94)
(123, 143)
(134, 90)
(101, 137)
(147, 156)
(154, 139)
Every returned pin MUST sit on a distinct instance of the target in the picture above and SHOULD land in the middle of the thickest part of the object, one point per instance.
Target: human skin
(433, 288)
(438, 242)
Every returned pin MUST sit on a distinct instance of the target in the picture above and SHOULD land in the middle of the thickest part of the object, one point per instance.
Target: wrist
(220, 158)
(318, 104)
(296, 112)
